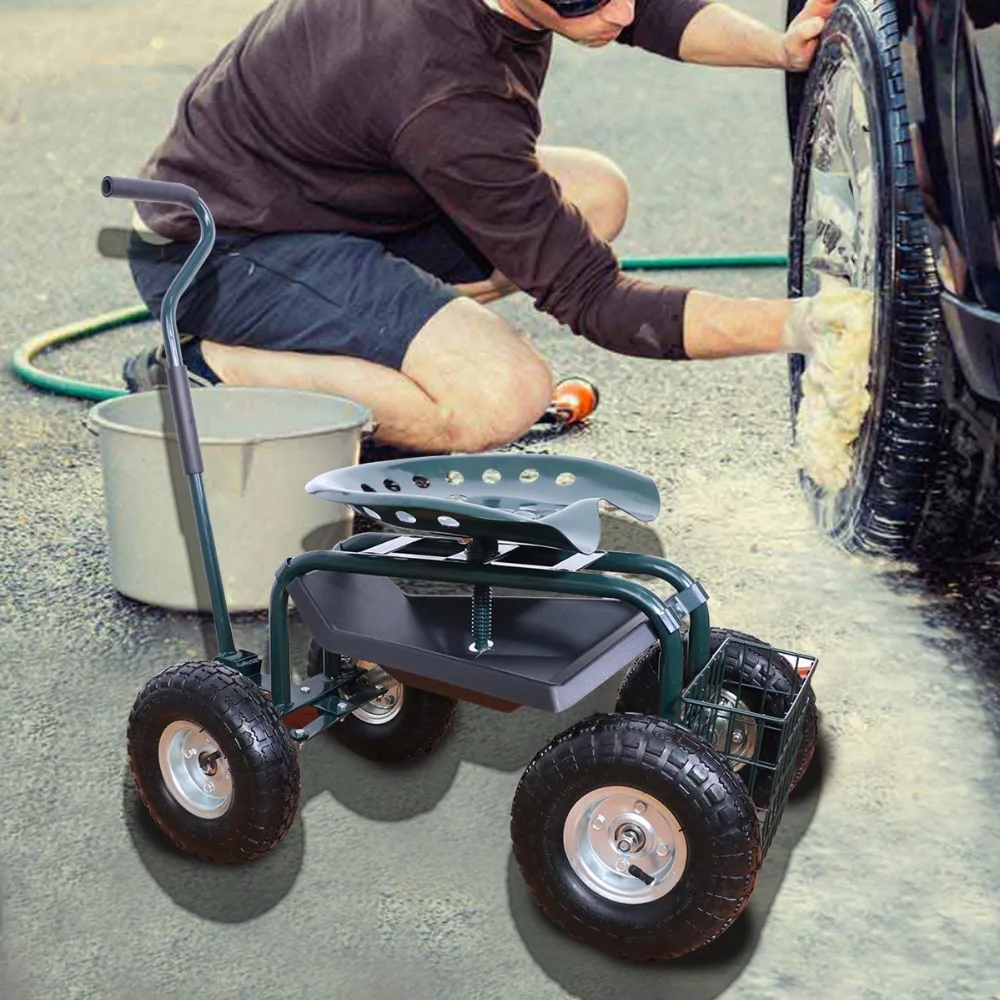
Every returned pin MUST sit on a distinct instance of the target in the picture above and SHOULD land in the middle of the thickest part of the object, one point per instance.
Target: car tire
(918, 482)
(795, 83)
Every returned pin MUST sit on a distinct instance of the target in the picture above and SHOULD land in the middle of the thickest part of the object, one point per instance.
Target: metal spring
(482, 616)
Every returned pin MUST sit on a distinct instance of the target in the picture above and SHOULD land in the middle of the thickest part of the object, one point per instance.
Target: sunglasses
(575, 8)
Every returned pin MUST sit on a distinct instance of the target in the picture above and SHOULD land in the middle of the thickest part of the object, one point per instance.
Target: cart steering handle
(138, 189)
(135, 189)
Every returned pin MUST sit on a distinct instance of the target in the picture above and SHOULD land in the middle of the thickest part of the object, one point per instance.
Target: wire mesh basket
(749, 701)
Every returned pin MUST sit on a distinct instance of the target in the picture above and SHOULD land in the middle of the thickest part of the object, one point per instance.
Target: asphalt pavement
(399, 882)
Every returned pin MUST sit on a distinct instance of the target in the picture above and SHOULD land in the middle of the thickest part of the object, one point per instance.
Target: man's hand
(801, 39)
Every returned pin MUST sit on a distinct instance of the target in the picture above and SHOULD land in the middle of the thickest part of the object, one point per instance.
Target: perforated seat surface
(550, 500)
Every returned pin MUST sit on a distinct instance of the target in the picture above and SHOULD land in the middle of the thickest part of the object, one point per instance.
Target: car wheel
(857, 219)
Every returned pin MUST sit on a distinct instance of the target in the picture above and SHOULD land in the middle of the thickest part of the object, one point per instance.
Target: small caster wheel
(405, 722)
(635, 836)
(639, 692)
(213, 762)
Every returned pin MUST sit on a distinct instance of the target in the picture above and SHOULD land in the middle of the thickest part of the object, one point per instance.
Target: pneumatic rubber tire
(795, 83)
(916, 470)
(635, 769)
(640, 688)
(205, 704)
(420, 722)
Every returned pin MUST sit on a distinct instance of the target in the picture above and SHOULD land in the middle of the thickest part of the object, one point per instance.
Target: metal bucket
(260, 447)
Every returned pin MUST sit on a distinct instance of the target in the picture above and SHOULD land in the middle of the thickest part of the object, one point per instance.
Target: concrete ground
(884, 878)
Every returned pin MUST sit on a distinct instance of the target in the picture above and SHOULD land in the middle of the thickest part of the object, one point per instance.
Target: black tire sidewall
(720, 852)
(795, 83)
(851, 34)
(256, 803)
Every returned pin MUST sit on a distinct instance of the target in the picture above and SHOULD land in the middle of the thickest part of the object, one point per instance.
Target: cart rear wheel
(635, 837)
(402, 723)
(639, 693)
(213, 763)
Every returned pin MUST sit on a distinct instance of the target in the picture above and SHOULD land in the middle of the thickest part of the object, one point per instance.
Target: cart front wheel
(213, 763)
(635, 837)
(402, 723)
(754, 682)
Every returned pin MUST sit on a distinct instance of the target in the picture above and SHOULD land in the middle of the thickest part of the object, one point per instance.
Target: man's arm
(715, 34)
(719, 35)
(474, 155)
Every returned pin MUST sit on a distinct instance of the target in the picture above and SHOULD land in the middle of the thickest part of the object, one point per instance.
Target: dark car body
(956, 159)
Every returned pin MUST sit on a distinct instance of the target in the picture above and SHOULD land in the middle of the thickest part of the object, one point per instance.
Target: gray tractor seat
(547, 500)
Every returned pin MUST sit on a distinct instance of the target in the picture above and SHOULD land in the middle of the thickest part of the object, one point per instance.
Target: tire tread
(921, 493)
(268, 756)
(610, 744)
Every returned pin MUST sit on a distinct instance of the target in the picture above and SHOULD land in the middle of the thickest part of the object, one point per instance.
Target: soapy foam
(835, 394)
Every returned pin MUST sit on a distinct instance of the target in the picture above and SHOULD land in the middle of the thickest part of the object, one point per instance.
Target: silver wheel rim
(743, 740)
(841, 227)
(387, 705)
(195, 771)
(840, 218)
(613, 827)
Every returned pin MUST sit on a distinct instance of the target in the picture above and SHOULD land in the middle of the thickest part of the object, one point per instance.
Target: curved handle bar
(136, 189)
(141, 190)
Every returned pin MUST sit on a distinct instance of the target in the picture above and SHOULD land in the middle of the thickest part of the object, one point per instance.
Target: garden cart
(639, 831)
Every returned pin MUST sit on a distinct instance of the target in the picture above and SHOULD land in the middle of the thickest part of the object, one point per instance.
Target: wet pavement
(398, 882)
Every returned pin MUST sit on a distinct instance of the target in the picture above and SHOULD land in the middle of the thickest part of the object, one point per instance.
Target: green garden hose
(23, 365)
(700, 263)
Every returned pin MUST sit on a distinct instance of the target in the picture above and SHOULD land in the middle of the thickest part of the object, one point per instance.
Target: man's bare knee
(499, 409)
(606, 207)
(488, 381)
(592, 182)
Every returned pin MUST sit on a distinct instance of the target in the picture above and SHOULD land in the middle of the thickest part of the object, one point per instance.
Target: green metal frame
(665, 618)
(321, 692)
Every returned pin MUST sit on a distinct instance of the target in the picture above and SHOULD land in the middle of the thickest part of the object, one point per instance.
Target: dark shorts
(321, 293)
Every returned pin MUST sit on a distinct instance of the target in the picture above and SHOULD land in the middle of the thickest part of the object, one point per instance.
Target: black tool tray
(538, 512)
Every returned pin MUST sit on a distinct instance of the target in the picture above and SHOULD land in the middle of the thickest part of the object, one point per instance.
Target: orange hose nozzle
(574, 400)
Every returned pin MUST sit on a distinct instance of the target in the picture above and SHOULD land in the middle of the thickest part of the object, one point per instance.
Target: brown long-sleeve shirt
(373, 117)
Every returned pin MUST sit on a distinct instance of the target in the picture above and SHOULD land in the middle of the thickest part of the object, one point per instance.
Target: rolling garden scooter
(639, 831)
